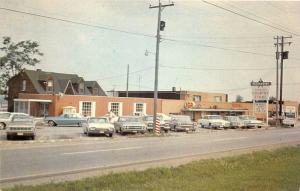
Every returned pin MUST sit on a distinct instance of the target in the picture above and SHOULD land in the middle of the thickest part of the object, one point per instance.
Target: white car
(289, 120)
(20, 125)
(235, 121)
(6, 117)
(98, 126)
(251, 121)
(213, 121)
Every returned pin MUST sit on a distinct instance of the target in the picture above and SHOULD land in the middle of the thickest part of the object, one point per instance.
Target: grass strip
(264, 170)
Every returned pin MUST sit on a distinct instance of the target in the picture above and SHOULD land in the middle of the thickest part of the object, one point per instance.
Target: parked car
(130, 124)
(182, 123)
(251, 121)
(66, 119)
(20, 125)
(164, 125)
(289, 120)
(6, 117)
(213, 122)
(235, 121)
(98, 126)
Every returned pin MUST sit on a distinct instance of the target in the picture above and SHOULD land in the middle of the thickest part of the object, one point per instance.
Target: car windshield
(290, 115)
(232, 118)
(129, 119)
(214, 117)
(184, 119)
(4, 115)
(246, 117)
(22, 118)
(97, 120)
(150, 118)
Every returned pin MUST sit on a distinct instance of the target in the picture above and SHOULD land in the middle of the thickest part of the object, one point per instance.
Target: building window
(86, 108)
(139, 108)
(95, 91)
(81, 88)
(116, 108)
(23, 85)
(197, 98)
(218, 99)
(50, 86)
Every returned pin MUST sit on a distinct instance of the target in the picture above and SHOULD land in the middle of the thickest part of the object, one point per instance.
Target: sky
(203, 47)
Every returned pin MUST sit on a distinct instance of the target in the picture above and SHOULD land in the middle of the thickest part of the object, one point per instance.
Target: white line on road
(229, 139)
(102, 150)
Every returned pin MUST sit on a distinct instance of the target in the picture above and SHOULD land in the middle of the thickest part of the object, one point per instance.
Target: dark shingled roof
(60, 82)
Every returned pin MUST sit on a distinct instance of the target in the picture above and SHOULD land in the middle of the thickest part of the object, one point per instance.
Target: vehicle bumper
(183, 128)
(99, 132)
(19, 133)
(133, 130)
(253, 125)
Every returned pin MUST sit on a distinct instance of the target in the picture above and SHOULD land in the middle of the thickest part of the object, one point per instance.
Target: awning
(34, 100)
(219, 110)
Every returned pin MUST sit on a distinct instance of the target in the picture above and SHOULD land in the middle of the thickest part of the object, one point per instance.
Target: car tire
(166, 131)
(110, 134)
(32, 137)
(79, 124)
(2, 126)
(51, 123)
(8, 137)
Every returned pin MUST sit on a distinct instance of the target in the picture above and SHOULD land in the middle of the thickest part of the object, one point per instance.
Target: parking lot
(45, 133)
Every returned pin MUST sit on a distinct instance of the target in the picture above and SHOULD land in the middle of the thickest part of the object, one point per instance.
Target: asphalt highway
(34, 161)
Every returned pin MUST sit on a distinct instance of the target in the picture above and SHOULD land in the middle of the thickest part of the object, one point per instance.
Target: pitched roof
(60, 81)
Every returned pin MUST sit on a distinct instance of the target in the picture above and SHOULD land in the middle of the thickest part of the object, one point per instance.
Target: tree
(239, 98)
(14, 57)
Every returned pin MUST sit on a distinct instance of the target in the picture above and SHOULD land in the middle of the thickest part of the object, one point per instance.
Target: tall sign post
(260, 92)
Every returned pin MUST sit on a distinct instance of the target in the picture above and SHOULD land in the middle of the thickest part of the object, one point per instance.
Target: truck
(289, 116)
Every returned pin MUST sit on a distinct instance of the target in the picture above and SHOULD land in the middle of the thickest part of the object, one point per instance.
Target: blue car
(73, 119)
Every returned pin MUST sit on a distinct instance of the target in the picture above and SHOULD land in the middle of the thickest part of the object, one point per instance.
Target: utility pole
(127, 82)
(277, 74)
(160, 26)
(283, 56)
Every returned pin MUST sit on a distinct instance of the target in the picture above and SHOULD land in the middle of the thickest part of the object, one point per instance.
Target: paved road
(63, 157)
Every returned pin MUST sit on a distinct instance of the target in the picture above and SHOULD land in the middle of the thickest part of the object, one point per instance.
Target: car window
(66, 116)
(4, 115)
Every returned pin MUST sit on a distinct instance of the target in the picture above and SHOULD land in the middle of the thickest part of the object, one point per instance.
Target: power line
(125, 74)
(249, 18)
(255, 15)
(216, 47)
(221, 69)
(78, 23)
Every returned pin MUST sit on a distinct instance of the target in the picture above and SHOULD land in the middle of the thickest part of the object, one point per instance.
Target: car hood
(23, 124)
(100, 125)
(253, 121)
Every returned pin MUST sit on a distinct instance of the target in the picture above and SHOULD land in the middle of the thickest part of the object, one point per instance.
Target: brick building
(51, 83)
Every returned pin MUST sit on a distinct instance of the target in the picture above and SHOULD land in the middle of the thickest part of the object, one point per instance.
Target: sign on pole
(260, 92)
